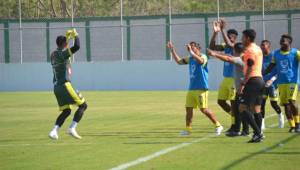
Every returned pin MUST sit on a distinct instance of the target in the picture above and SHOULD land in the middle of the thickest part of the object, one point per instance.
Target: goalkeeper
(63, 90)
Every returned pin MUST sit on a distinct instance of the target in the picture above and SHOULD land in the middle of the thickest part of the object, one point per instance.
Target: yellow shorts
(197, 98)
(287, 92)
(227, 90)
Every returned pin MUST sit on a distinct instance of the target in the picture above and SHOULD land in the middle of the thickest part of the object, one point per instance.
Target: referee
(251, 89)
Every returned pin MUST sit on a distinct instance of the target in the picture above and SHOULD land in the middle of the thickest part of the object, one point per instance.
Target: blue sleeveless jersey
(228, 67)
(198, 74)
(266, 62)
(286, 66)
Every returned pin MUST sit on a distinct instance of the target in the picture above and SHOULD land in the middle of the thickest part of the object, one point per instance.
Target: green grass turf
(121, 126)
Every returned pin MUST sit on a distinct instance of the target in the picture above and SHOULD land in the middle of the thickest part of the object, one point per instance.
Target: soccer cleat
(245, 133)
(281, 121)
(263, 126)
(233, 134)
(230, 129)
(256, 138)
(53, 135)
(219, 130)
(297, 129)
(185, 133)
(292, 130)
(73, 132)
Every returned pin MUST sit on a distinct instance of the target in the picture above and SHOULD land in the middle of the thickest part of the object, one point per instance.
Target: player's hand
(188, 46)
(216, 27)
(269, 83)
(170, 45)
(69, 34)
(210, 52)
(222, 23)
(74, 33)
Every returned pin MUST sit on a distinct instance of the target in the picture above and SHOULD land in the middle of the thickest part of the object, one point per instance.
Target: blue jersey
(266, 62)
(198, 73)
(228, 67)
(287, 64)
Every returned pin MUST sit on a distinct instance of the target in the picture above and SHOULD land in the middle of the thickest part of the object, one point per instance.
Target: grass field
(121, 126)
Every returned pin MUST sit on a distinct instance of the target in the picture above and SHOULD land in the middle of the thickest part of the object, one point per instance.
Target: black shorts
(253, 91)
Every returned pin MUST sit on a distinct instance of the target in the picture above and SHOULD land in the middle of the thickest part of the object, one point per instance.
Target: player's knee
(204, 111)
(66, 112)
(84, 106)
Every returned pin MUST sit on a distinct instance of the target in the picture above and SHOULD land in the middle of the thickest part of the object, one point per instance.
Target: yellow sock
(189, 128)
(217, 124)
(292, 122)
(296, 119)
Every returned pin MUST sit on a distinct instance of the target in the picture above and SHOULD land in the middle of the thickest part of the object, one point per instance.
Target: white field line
(170, 149)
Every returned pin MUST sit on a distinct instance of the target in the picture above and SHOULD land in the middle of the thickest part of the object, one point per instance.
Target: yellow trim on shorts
(67, 106)
(73, 94)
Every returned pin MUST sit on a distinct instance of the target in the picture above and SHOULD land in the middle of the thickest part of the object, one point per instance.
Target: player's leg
(59, 122)
(237, 119)
(223, 96)
(263, 110)
(284, 91)
(203, 105)
(293, 90)
(75, 98)
(188, 121)
(273, 94)
(190, 104)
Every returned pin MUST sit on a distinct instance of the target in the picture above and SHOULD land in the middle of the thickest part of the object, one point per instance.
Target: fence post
(128, 37)
(206, 31)
(168, 57)
(88, 40)
(289, 16)
(48, 41)
(6, 41)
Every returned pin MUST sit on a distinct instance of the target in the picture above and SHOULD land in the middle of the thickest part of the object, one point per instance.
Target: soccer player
(286, 62)
(252, 87)
(237, 60)
(197, 95)
(226, 90)
(271, 88)
(63, 90)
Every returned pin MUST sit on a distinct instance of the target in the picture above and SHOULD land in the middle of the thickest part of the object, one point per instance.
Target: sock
(297, 119)
(56, 127)
(217, 124)
(292, 123)
(189, 128)
(258, 119)
(73, 124)
(249, 117)
(276, 107)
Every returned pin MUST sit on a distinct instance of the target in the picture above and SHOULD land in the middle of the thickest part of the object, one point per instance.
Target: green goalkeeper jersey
(61, 65)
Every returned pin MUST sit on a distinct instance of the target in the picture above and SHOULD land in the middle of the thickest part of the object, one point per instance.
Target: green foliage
(84, 8)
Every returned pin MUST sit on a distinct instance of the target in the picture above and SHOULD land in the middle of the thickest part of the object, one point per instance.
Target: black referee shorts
(253, 91)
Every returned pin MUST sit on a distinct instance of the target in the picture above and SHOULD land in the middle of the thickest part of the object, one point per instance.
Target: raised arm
(175, 56)
(212, 44)
(220, 56)
(200, 59)
(224, 34)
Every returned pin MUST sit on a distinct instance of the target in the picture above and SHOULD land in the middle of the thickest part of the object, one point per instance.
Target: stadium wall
(133, 75)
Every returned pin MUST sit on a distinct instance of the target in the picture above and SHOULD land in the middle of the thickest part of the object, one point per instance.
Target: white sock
(73, 124)
(56, 127)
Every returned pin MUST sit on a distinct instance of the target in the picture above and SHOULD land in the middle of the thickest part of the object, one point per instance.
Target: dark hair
(238, 47)
(195, 44)
(266, 41)
(60, 40)
(288, 37)
(250, 33)
(232, 31)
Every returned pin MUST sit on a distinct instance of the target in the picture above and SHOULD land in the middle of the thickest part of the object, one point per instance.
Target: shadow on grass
(263, 151)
